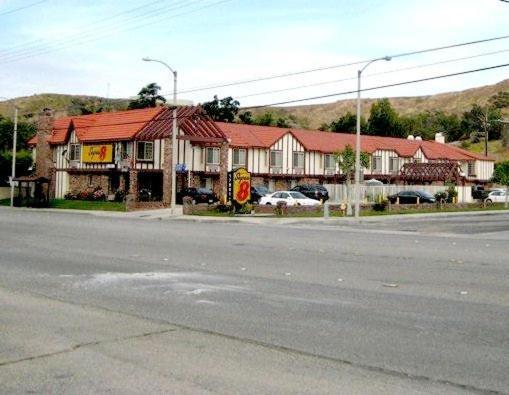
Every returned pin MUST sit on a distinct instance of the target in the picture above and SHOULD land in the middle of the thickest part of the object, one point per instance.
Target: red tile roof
(147, 123)
(244, 136)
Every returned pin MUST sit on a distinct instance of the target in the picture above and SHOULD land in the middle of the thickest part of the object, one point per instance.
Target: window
(376, 164)
(75, 152)
(393, 165)
(417, 160)
(330, 162)
(298, 160)
(212, 156)
(239, 157)
(276, 158)
(471, 168)
(125, 150)
(145, 151)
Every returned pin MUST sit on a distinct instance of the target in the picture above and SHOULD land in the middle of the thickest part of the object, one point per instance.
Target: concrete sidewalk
(177, 215)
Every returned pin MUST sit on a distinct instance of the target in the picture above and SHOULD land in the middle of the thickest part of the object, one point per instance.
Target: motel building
(131, 151)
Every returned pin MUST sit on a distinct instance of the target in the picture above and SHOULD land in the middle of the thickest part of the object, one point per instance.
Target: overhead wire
(22, 8)
(337, 66)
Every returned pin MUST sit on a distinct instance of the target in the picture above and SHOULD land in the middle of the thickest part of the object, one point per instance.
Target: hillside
(312, 116)
(62, 105)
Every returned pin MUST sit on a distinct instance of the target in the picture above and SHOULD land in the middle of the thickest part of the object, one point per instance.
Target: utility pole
(486, 133)
(14, 141)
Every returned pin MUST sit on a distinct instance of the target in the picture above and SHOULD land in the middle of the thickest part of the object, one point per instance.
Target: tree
(427, 124)
(383, 120)
(474, 122)
(347, 124)
(265, 119)
(148, 96)
(501, 176)
(223, 110)
(246, 118)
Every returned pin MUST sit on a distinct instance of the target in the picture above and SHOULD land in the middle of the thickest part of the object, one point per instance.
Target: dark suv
(199, 195)
(315, 191)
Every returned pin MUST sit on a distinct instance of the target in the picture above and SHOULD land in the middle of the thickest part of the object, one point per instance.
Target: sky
(96, 47)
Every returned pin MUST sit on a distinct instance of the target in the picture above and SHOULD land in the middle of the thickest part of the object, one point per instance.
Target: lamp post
(173, 133)
(14, 142)
(358, 137)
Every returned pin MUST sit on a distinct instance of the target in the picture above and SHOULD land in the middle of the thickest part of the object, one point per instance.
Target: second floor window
(75, 152)
(276, 158)
(330, 162)
(471, 168)
(125, 150)
(239, 157)
(376, 163)
(145, 151)
(298, 160)
(394, 165)
(212, 156)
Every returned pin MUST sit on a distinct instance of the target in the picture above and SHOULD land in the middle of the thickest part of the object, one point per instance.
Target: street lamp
(14, 141)
(358, 136)
(173, 133)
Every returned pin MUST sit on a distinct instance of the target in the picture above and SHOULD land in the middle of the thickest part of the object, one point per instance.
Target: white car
(497, 196)
(291, 198)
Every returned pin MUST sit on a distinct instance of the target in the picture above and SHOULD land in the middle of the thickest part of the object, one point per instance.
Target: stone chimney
(44, 156)
(440, 138)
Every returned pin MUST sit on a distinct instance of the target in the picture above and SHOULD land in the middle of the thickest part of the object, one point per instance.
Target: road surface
(121, 305)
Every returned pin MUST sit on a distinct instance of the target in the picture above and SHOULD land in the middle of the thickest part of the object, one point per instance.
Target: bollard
(326, 213)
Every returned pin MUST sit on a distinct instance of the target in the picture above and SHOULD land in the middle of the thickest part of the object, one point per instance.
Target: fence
(339, 193)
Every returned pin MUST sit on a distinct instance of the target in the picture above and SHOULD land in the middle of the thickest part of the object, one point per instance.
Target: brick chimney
(44, 157)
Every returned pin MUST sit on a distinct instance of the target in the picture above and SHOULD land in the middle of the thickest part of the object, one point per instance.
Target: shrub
(71, 196)
(245, 209)
(451, 193)
(281, 209)
(380, 205)
(84, 195)
(120, 195)
(98, 194)
(441, 196)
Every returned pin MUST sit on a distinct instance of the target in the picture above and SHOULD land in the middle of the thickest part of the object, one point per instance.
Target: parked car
(257, 192)
(199, 195)
(410, 197)
(314, 191)
(496, 196)
(291, 198)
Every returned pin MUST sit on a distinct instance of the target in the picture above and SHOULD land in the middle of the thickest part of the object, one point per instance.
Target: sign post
(239, 187)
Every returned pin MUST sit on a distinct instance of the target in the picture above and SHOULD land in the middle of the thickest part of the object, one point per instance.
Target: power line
(22, 8)
(96, 33)
(378, 87)
(374, 74)
(83, 40)
(324, 68)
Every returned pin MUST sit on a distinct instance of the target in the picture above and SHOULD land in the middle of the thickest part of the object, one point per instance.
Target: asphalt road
(96, 304)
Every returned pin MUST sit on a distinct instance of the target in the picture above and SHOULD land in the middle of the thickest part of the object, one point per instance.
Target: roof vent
(440, 138)
(418, 138)
(410, 137)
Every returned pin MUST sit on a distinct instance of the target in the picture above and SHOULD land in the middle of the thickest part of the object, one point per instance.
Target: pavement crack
(87, 344)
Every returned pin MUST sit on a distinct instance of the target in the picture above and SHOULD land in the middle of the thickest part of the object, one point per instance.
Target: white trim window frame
(471, 168)
(212, 156)
(298, 160)
(329, 162)
(146, 149)
(276, 159)
(393, 164)
(75, 152)
(239, 157)
(376, 164)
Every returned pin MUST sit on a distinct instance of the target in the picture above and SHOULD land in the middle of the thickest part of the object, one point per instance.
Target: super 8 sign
(241, 180)
(97, 153)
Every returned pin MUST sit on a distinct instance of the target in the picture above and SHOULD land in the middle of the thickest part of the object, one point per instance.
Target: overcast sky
(100, 43)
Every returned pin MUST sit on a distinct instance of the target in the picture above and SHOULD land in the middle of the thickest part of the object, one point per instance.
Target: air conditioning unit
(330, 172)
(214, 169)
(74, 164)
(276, 170)
(298, 171)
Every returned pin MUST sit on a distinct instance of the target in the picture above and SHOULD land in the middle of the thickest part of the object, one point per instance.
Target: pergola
(413, 173)
(33, 191)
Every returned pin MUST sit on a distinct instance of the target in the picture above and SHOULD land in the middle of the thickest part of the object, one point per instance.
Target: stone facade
(44, 159)
(88, 182)
(167, 165)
